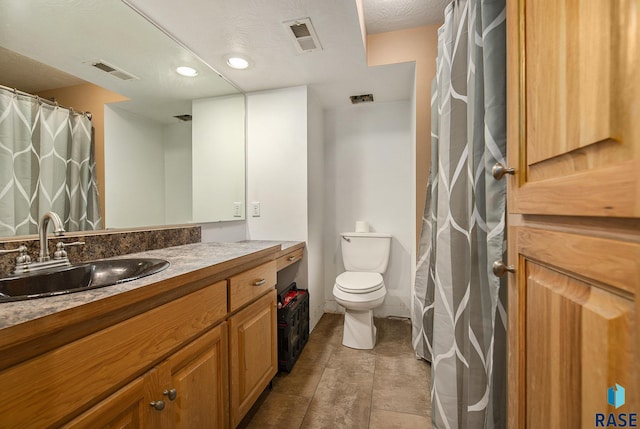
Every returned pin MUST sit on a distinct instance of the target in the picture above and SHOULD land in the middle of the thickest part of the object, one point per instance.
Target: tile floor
(332, 386)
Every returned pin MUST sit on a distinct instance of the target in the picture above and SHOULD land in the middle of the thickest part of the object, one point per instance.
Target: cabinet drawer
(288, 259)
(246, 286)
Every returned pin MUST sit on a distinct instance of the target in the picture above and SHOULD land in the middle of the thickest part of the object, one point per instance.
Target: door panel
(578, 345)
(573, 87)
(199, 375)
(125, 409)
(253, 353)
(572, 326)
(568, 93)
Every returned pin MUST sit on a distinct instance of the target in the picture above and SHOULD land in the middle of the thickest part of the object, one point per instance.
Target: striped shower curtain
(459, 316)
(46, 164)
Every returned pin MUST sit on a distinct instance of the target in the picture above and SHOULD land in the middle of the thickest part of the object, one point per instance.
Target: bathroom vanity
(192, 346)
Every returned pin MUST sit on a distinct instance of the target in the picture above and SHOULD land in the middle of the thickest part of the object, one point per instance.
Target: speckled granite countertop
(184, 260)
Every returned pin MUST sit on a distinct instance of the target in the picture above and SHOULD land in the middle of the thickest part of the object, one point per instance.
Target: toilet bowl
(361, 288)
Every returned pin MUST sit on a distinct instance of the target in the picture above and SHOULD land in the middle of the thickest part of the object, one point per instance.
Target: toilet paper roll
(362, 226)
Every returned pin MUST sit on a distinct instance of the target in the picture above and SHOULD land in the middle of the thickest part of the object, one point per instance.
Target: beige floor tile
(325, 415)
(341, 387)
(279, 411)
(342, 400)
(393, 337)
(401, 391)
(382, 419)
(314, 354)
(404, 364)
(301, 381)
(401, 384)
(329, 330)
(345, 358)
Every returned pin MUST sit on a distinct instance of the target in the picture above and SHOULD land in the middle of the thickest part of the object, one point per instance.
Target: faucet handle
(60, 253)
(23, 257)
(22, 249)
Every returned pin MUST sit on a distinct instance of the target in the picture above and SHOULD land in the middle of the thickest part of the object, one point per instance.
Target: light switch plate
(237, 209)
(255, 209)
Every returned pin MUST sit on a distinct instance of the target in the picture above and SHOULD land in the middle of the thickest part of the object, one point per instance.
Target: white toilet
(361, 288)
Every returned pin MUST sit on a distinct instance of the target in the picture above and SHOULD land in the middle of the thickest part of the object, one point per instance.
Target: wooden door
(195, 383)
(574, 210)
(253, 353)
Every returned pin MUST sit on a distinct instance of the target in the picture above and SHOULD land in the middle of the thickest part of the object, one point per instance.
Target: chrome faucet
(60, 259)
(43, 225)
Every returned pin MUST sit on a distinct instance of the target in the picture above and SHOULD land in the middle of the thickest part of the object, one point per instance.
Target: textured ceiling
(390, 15)
(67, 34)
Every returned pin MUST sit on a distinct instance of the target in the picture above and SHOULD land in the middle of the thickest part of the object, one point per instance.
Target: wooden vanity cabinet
(198, 361)
(187, 390)
(253, 341)
(215, 379)
(50, 389)
(253, 353)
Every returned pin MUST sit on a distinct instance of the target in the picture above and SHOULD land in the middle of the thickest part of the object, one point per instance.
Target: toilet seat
(359, 282)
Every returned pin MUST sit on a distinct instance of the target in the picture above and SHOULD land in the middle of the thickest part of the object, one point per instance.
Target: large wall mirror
(169, 148)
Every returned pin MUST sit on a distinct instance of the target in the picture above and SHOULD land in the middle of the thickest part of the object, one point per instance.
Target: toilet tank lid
(365, 234)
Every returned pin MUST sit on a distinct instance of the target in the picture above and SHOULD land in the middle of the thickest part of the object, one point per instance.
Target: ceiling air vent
(112, 70)
(303, 34)
(364, 98)
(184, 118)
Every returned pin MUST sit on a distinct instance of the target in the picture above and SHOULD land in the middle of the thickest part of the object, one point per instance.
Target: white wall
(284, 174)
(218, 157)
(315, 197)
(224, 231)
(177, 172)
(368, 176)
(134, 177)
(277, 164)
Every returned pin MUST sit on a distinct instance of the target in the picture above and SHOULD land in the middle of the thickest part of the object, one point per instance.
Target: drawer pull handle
(260, 282)
(291, 258)
(158, 405)
(171, 394)
(500, 269)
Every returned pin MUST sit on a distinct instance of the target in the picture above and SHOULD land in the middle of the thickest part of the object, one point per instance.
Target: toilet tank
(365, 251)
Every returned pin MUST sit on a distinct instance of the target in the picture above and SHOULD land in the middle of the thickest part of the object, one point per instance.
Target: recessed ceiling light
(237, 62)
(187, 71)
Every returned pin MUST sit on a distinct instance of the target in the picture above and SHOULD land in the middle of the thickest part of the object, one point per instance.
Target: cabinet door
(572, 328)
(125, 409)
(574, 133)
(253, 353)
(195, 384)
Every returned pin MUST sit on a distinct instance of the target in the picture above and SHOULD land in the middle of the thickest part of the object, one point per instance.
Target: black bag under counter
(293, 325)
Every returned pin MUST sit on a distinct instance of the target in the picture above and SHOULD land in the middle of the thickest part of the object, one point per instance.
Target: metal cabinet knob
(170, 393)
(498, 171)
(291, 258)
(260, 282)
(500, 269)
(158, 405)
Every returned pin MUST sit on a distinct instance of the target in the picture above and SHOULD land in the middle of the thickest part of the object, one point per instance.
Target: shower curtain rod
(89, 115)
